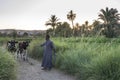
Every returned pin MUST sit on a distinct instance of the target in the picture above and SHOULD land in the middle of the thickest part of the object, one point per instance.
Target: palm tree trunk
(73, 28)
(53, 30)
(110, 32)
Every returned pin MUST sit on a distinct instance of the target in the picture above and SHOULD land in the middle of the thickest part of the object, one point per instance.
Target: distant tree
(86, 27)
(39, 34)
(83, 30)
(71, 16)
(19, 35)
(1, 34)
(77, 30)
(97, 28)
(63, 30)
(53, 21)
(110, 18)
(25, 34)
(49, 31)
(14, 34)
(96, 23)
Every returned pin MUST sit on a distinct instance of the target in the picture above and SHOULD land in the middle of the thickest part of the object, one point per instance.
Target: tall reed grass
(87, 58)
(35, 50)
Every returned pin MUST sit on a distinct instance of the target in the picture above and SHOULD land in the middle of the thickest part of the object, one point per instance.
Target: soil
(31, 70)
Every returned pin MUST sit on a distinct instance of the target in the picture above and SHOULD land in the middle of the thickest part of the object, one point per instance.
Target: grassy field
(86, 58)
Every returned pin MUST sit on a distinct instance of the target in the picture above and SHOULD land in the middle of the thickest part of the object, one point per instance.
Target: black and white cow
(11, 46)
(22, 49)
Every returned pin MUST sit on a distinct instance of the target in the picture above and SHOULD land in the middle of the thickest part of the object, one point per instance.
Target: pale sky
(32, 14)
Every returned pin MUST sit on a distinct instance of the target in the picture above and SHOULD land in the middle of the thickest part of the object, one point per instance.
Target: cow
(11, 46)
(22, 49)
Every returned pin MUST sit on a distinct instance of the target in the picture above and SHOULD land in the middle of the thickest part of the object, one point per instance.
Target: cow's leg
(18, 52)
(26, 55)
(21, 53)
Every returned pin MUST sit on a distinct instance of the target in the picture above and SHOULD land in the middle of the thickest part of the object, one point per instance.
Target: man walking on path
(47, 55)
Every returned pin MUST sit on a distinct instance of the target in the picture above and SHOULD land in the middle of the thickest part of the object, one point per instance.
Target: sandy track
(28, 71)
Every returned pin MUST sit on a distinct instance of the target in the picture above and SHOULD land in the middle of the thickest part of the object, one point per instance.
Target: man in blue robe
(47, 55)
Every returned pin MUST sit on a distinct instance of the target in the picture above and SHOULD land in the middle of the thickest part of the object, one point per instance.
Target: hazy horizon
(32, 14)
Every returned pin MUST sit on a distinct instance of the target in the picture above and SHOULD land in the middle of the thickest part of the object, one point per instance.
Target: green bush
(105, 67)
(7, 66)
(3, 40)
(74, 58)
(35, 50)
(61, 46)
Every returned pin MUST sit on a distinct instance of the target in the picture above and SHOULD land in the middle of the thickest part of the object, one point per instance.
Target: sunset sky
(32, 14)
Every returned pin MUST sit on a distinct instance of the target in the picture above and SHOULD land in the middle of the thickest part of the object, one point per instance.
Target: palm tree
(63, 30)
(83, 30)
(77, 30)
(71, 16)
(86, 25)
(53, 21)
(110, 18)
(97, 27)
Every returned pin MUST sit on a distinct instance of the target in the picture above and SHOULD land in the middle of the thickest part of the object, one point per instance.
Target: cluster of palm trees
(111, 20)
(107, 24)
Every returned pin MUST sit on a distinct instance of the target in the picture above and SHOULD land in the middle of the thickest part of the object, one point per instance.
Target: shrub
(7, 66)
(103, 67)
(35, 50)
(74, 58)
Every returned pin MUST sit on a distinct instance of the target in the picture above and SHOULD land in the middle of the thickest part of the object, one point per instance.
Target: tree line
(107, 25)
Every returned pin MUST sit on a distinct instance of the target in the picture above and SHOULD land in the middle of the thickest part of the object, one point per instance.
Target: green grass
(7, 66)
(103, 67)
(35, 50)
(90, 58)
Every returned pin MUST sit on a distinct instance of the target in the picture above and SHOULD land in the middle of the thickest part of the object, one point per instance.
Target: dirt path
(28, 71)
